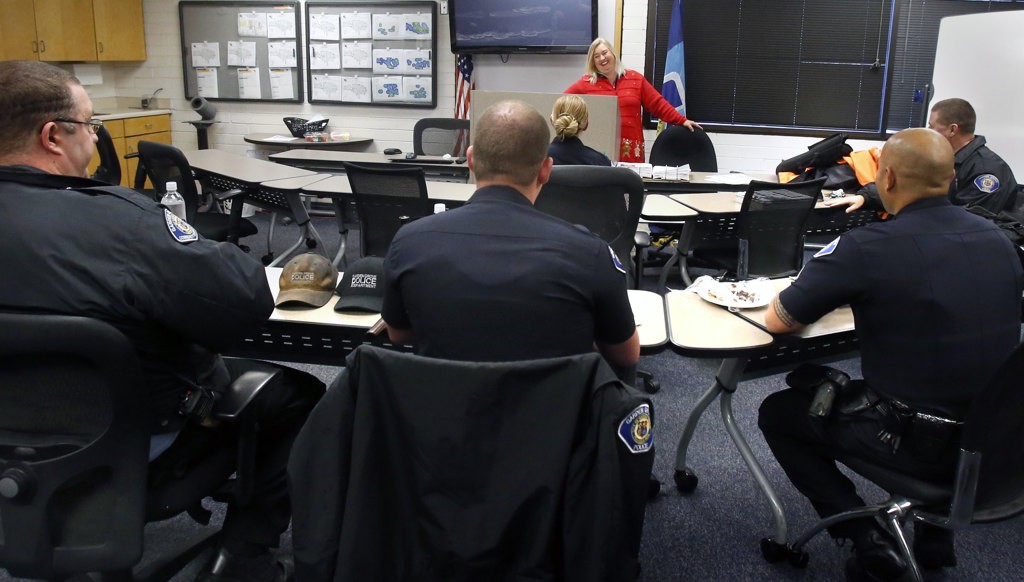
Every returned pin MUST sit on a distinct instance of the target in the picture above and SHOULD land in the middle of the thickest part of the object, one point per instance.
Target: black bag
(821, 161)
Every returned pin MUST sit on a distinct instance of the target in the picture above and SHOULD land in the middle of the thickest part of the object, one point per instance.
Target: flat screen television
(522, 26)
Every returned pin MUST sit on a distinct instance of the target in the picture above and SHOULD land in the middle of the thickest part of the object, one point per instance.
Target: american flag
(463, 85)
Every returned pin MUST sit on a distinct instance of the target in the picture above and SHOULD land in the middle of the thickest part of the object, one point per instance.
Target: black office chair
(768, 237)
(437, 136)
(988, 485)
(480, 471)
(163, 163)
(676, 145)
(109, 170)
(74, 445)
(606, 200)
(386, 198)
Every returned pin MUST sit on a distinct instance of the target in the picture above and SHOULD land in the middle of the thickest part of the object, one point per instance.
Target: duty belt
(897, 418)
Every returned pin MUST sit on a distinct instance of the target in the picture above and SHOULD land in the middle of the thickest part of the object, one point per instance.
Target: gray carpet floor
(713, 533)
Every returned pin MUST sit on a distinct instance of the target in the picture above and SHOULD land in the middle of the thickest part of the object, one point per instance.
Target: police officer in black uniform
(982, 177)
(936, 295)
(76, 246)
(498, 280)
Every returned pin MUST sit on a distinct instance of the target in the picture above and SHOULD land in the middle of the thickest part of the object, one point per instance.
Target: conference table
(264, 184)
(707, 182)
(698, 328)
(434, 167)
(290, 142)
(324, 336)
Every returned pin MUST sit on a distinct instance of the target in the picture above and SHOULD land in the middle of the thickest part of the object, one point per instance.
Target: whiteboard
(980, 58)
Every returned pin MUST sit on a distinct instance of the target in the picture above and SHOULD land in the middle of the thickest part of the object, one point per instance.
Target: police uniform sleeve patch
(829, 248)
(616, 261)
(987, 183)
(182, 231)
(636, 430)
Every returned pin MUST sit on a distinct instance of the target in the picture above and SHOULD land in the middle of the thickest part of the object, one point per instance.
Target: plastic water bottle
(173, 201)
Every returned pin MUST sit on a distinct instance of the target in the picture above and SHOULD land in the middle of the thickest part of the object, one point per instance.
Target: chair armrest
(229, 194)
(243, 390)
(641, 239)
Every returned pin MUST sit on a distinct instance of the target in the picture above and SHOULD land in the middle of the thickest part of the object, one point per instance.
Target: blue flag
(673, 87)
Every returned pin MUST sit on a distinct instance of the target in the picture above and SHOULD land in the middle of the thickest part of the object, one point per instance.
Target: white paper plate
(738, 294)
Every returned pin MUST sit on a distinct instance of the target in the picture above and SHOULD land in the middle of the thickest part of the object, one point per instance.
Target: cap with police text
(307, 279)
(362, 286)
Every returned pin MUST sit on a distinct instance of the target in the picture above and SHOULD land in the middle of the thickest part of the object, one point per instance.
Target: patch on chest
(182, 231)
(987, 183)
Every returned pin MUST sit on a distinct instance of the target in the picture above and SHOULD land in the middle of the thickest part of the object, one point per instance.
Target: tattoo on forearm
(783, 315)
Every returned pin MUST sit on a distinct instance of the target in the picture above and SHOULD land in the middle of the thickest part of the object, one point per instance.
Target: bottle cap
(171, 186)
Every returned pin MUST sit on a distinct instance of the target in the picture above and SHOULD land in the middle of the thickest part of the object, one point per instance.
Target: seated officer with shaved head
(935, 294)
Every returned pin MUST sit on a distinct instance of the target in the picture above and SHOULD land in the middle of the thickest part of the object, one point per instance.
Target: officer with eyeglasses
(72, 245)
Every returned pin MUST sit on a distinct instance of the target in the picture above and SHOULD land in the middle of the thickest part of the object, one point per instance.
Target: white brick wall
(390, 126)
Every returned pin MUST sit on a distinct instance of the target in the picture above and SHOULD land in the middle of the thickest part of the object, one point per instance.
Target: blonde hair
(592, 70)
(569, 116)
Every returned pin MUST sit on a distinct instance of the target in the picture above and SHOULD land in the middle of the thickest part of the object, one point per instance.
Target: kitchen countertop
(122, 113)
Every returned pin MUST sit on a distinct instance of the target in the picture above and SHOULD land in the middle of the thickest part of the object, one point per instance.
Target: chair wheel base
(773, 552)
(267, 259)
(310, 243)
(686, 480)
(652, 386)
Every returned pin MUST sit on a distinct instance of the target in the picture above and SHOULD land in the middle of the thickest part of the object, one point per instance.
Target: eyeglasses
(94, 124)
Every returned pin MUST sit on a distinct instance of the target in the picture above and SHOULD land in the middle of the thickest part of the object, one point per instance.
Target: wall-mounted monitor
(522, 26)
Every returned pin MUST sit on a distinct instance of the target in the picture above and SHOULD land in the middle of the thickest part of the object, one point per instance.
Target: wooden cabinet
(18, 30)
(72, 30)
(64, 30)
(127, 133)
(151, 128)
(120, 35)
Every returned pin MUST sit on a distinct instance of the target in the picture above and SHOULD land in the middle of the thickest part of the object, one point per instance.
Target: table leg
(726, 381)
(755, 468)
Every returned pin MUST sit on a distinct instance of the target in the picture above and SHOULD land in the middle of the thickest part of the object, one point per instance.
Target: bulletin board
(242, 51)
(372, 53)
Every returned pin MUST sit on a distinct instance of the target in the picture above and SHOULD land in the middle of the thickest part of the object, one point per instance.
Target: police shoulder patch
(636, 430)
(182, 231)
(616, 261)
(829, 248)
(987, 183)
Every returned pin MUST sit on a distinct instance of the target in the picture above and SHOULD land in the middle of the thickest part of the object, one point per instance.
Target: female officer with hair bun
(570, 118)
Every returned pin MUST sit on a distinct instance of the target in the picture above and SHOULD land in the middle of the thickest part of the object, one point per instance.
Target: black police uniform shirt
(936, 295)
(983, 179)
(498, 280)
(572, 151)
(118, 256)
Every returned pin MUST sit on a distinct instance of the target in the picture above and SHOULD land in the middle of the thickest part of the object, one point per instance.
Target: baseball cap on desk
(362, 286)
(307, 279)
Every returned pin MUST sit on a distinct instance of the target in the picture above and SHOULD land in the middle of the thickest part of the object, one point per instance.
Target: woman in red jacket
(606, 76)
